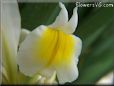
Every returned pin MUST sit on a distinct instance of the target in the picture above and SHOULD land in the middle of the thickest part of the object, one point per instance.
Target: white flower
(10, 32)
(52, 48)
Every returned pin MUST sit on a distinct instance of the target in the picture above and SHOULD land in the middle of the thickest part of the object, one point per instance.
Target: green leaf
(35, 14)
(88, 30)
(97, 57)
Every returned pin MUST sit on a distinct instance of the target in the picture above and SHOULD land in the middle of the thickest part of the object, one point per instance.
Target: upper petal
(62, 18)
(72, 23)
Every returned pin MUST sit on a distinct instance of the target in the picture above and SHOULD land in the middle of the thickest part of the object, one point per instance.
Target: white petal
(67, 73)
(10, 21)
(0, 73)
(10, 30)
(27, 64)
(47, 72)
(72, 24)
(23, 35)
(78, 47)
(62, 18)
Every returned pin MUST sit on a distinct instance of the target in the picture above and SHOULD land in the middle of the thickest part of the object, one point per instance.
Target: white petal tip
(25, 31)
(62, 17)
(75, 9)
(61, 4)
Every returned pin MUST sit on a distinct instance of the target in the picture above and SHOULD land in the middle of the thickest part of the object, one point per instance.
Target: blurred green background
(95, 28)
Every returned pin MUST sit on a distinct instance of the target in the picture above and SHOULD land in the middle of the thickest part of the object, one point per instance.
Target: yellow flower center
(55, 48)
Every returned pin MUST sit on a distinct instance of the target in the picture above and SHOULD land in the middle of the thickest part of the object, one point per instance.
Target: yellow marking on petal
(54, 48)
